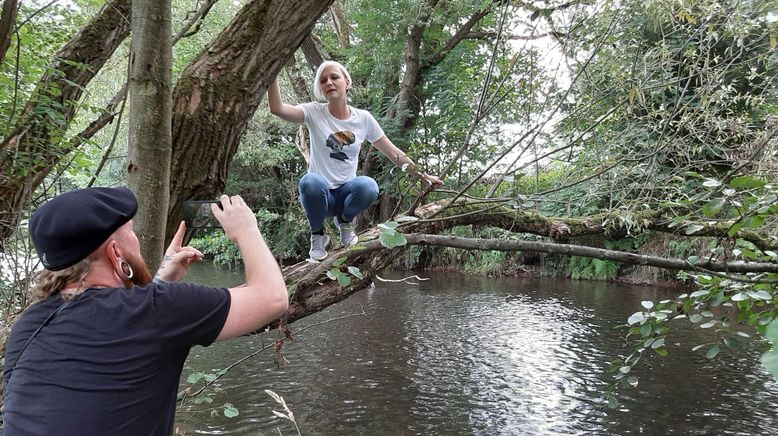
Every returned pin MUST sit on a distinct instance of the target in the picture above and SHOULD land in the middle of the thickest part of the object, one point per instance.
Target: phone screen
(198, 215)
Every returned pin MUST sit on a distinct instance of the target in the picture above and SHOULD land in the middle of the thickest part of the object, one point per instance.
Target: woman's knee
(367, 188)
(312, 184)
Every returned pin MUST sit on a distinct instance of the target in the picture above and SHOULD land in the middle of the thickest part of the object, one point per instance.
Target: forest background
(622, 133)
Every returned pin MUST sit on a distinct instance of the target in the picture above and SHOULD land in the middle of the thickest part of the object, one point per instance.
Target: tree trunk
(221, 88)
(149, 145)
(341, 25)
(7, 22)
(312, 52)
(35, 144)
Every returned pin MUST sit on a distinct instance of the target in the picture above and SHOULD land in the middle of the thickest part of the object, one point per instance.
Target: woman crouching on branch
(331, 188)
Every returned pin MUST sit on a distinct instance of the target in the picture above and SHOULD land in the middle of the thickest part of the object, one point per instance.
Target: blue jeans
(346, 201)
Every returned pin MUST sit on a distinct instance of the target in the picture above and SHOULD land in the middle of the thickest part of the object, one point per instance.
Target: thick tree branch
(579, 250)
(457, 37)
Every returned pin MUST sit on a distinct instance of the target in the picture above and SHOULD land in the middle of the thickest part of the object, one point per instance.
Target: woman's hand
(177, 259)
(432, 180)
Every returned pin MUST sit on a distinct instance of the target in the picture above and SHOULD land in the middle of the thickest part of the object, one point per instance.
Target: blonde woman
(331, 188)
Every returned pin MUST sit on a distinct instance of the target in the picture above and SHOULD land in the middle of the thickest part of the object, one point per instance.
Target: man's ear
(114, 252)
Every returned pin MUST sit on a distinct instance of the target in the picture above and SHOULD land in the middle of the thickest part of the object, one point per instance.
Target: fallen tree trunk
(312, 290)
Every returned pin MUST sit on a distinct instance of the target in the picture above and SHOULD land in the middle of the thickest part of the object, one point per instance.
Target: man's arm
(263, 298)
(280, 109)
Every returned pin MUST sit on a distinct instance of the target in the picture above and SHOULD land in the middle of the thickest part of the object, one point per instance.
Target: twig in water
(403, 280)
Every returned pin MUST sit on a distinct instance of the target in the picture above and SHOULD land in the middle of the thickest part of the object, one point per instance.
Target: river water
(462, 355)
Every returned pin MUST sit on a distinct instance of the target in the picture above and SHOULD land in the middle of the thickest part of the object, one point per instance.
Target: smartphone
(198, 215)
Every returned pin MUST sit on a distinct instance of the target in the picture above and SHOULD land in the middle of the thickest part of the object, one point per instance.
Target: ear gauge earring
(126, 270)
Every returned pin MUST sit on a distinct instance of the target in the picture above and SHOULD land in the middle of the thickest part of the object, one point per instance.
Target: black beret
(71, 226)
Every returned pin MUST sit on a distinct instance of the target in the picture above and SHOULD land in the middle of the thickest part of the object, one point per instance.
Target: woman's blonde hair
(51, 282)
(320, 70)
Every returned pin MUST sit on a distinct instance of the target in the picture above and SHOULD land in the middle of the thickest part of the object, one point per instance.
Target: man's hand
(177, 259)
(432, 180)
(236, 218)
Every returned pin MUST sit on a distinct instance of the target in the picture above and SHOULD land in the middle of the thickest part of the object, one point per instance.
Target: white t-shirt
(335, 143)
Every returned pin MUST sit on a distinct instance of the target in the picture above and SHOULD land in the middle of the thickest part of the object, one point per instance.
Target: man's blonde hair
(51, 282)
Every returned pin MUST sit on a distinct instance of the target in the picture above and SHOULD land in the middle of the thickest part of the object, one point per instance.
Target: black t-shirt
(109, 362)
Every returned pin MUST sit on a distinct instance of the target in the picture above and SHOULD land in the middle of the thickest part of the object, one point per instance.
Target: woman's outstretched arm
(385, 146)
(280, 109)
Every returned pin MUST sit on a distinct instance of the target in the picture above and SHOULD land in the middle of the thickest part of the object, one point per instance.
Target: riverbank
(533, 264)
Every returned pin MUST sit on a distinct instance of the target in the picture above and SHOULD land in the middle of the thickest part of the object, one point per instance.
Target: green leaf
(746, 182)
(355, 272)
(230, 411)
(711, 183)
(708, 325)
(389, 225)
(661, 351)
(625, 369)
(194, 377)
(645, 330)
(392, 239)
(647, 304)
(695, 318)
(761, 295)
(658, 343)
(633, 381)
(740, 296)
(613, 402)
(770, 358)
(336, 274)
(713, 207)
(339, 261)
(209, 377)
(736, 228)
(694, 228)
(712, 352)
(636, 318)
(756, 221)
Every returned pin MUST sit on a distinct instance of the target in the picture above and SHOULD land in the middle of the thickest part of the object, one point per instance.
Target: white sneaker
(318, 246)
(347, 235)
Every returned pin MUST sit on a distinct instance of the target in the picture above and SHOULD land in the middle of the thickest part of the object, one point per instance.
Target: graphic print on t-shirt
(339, 140)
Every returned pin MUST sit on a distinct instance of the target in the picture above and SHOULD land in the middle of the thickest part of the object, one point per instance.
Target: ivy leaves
(389, 238)
(228, 409)
(343, 278)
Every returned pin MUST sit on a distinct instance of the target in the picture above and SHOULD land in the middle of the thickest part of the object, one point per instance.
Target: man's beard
(141, 274)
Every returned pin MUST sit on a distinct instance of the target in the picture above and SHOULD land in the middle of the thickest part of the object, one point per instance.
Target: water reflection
(470, 355)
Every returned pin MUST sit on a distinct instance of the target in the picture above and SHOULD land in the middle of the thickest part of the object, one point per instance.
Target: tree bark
(35, 144)
(312, 52)
(150, 141)
(341, 25)
(7, 21)
(221, 88)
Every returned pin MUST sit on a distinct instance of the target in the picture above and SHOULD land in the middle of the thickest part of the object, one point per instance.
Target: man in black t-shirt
(102, 351)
